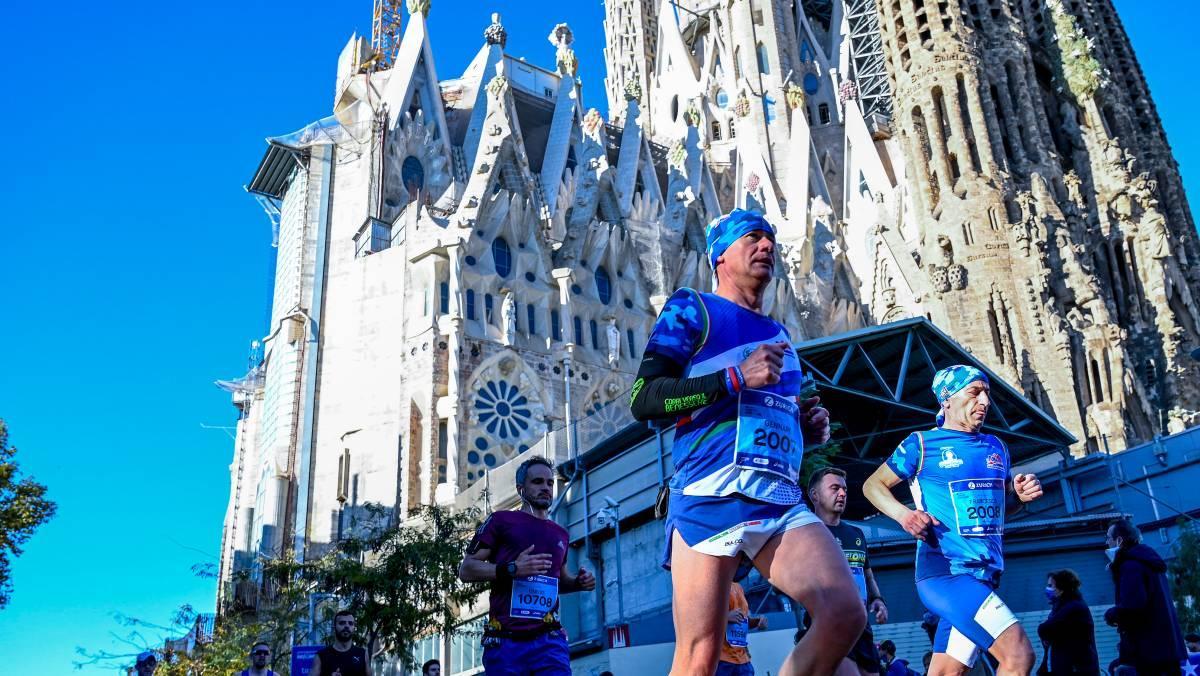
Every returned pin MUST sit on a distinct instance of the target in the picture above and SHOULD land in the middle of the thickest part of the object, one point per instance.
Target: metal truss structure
(866, 54)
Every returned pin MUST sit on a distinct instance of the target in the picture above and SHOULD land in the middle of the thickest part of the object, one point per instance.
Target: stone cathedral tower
(995, 165)
(1039, 184)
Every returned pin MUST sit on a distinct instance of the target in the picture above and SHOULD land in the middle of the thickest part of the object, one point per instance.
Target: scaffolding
(866, 55)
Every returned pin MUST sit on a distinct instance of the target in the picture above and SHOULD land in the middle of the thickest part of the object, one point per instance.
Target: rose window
(503, 411)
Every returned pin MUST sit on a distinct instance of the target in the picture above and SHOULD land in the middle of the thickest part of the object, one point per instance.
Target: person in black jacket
(1151, 640)
(1068, 634)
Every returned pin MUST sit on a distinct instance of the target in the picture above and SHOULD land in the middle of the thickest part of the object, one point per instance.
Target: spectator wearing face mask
(1151, 641)
(1068, 634)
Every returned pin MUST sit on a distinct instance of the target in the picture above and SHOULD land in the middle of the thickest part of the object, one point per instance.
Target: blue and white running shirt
(706, 334)
(959, 478)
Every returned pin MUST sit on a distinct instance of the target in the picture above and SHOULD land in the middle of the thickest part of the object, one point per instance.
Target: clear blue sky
(134, 270)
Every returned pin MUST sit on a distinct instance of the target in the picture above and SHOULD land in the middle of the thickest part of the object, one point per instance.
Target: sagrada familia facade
(468, 265)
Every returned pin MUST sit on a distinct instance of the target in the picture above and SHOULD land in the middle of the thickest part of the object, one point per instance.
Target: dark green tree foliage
(23, 507)
(1185, 581)
(822, 455)
(401, 581)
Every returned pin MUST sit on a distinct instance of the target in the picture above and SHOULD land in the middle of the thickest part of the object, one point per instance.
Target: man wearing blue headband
(958, 476)
(728, 376)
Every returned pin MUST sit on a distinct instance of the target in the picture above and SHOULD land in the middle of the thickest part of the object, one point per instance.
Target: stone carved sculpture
(562, 38)
(509, 313)
(614, 341)
(1024, 228)
(495, 33)
(1153, 235)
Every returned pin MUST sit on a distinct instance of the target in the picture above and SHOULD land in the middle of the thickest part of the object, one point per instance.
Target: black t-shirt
(353, 662)
(854, 546)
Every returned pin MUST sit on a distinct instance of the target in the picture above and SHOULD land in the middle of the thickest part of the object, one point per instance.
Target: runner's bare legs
(807, 565)
(699, 603)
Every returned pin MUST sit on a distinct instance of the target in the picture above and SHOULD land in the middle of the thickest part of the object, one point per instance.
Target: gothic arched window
(603, 285)
(502, 257)
(412, 174)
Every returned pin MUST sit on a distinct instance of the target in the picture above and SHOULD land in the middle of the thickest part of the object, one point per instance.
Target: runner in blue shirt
(958, 477)
(728, 375)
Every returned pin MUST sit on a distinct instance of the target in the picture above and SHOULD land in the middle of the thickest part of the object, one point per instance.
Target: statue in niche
(1120, 209)
(1077, 319)
(1112, 154)
(509, 313)
(1058, 327)
(1022, 230)
(614, 341)
(1154, 235)
(1143, 190)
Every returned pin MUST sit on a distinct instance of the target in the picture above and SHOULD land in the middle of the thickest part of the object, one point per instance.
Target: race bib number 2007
(533, 596)
(768, 434)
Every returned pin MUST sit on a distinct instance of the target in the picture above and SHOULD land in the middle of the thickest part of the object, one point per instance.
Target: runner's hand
(920, 525)
(764, 365)
(762, 623)
(814, 421)
(1027, 487)
(585, 580)
(529, 563)
(735, 616)
(880, 609)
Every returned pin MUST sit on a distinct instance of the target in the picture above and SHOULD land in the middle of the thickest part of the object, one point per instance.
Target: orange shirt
(730, 653)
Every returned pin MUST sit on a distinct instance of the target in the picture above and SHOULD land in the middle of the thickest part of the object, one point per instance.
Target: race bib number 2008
(978, 506)
(533, 596)
(768, 434)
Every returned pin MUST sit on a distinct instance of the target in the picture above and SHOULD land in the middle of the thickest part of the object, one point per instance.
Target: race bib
(978, 506)
(857, 560)
(860, 581)
(533, 596)
(736, 633)
(768, 434)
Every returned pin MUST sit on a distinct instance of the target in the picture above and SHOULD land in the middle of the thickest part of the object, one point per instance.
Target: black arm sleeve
(660, 392)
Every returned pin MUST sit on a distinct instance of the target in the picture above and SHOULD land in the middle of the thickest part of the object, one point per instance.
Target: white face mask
(1111, 552)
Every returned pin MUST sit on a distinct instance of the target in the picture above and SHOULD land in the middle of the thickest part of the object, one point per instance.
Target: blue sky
(134, 270)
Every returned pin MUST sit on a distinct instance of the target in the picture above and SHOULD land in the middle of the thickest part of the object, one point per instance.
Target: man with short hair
(727, 374)
(260, 656)
(343, 658)
(1143, 611)
(431, 668)
(146, 664)
(523, 554)
(891, 665)
(959, 476)
(827, 491)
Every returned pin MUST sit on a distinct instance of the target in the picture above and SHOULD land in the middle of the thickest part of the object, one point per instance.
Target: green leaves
(1185, 582)
(23, 507)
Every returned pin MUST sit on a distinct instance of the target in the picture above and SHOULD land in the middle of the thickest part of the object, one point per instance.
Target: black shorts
(864, 654)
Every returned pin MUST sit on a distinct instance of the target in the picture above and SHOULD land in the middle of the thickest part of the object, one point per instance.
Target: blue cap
(951, 380)
(727, 229)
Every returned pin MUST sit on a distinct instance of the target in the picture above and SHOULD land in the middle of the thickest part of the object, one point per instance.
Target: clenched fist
(764, 365)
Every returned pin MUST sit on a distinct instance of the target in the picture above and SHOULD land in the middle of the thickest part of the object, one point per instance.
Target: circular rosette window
(503, 411)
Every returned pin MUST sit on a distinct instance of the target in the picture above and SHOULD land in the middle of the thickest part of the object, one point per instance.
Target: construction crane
(385, 32)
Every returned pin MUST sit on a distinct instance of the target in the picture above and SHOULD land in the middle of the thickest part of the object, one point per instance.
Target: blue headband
(727, 229)
(951, 380)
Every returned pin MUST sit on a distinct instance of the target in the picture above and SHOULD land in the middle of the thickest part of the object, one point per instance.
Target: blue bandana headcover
(951, 380)
(727, 229)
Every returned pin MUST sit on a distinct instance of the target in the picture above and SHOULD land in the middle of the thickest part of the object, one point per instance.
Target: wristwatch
(511, 568)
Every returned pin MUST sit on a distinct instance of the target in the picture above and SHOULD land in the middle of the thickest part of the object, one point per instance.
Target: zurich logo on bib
(768, 434)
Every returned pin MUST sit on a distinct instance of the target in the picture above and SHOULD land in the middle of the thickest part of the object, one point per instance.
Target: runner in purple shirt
(523, 555)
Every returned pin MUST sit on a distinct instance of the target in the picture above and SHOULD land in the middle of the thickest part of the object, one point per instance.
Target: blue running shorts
(731, 669)
(545, 655)
(729, 525)
(972, 616)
